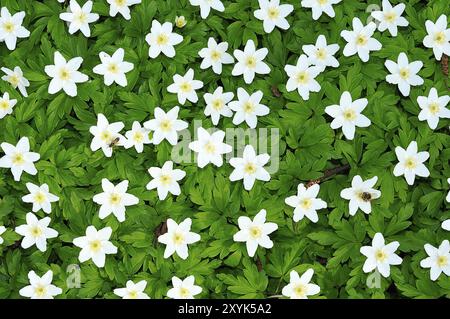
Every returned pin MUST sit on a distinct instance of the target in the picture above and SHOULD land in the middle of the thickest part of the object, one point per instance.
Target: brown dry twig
(329, 173)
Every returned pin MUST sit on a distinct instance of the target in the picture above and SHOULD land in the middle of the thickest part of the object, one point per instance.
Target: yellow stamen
(215, 55)
(404, 73)
(300, 290)
(14, 80)
(4, 105)
(184, 292)
(40, 197)
(114, 199)
(165, 179)
(349, 115)
(439, 37)
(273, 13)
(410, 163)
(8, 27)
(64, 74)
(390, 16)
(302, 77)
(255, 232)
(178, 238)
(95, 245)
(321, 54)
(380, 255)
(105, 136)
(306, 203)
(40, 291)
(81, 17)
(250, 168)
(249, 107)
(186, 87)
(442, 261)
(18, 159)
(36, 231)
(250, 62)
(217, 104)
(361, 40)
(434, 108)
(138, 137)
(113, 68)
(165, 125)
(210, 148)
(162, 39)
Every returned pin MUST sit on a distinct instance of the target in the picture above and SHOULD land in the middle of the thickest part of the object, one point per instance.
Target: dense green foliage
(58, 128)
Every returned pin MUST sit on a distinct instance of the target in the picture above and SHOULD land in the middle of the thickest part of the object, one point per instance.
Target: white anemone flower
(79, 17)
(114, 199)
(380, 256)
(255, 232)
(403, 73)
(65, 75)
(178, 237)
(113, 68)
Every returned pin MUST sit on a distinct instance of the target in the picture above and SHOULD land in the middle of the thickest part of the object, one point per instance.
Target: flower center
(404, 73)
(210, 148)
(138, 137)
(306, 203)
(217, 104)
(64, 74)
(133, 294)
(215, 55)
(186, 87)
(36, 231)
(162, 39)
(380, 255)
(4, 105)
(439, 37)
(165, 179)
(434, 108)
(255, 232)
(300, 290)
(165, 125)
(113, 68)
(321, 54)
(105, 136)
(120, 3)
(273, 13)
(250, 62)
(249, 107)
(40, 290)
(349, 115)
(250, 168)
(8, 27)
(322, 2)
(442, 261)
(390, 16)
(361, 40)
(302, 77)
(14, 80)
(39, 197)
(115, 199)
(81, 17)
(410, 163)
(178, 238)
(95, 245)
(18, 159)
(184, 292)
